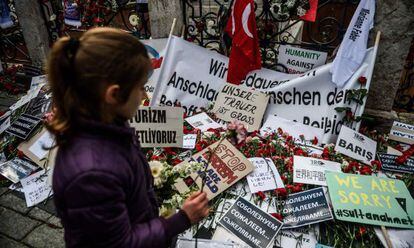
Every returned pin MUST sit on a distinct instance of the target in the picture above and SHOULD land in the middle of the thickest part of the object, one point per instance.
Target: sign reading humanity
(356, 145)
(159, 126)
(227, 166)
(238, 103)
(298, 60)
(311, 99)
(371, 200)
(305, 208)
(251, 224)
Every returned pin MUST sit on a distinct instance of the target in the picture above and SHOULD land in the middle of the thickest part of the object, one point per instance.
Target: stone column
(34, 30)
(395, 20)
(162, 14)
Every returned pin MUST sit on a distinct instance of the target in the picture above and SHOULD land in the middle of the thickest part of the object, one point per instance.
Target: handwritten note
(36, 188)
(265, 176)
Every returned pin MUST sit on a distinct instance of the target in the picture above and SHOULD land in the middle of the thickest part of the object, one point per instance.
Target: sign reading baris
(356, 145)
(159, 126)
(223, 166)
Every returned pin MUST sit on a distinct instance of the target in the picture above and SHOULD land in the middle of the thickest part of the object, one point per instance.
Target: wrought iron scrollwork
(205, 21)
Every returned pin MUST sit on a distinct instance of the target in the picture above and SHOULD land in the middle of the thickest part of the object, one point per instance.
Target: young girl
(102, 185)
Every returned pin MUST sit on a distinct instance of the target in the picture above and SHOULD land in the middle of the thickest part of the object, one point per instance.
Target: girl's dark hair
(80, 69)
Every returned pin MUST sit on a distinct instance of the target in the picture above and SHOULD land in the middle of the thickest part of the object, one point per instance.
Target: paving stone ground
(28, 227)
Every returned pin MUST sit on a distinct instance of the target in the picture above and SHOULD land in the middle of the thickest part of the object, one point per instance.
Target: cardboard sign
(23, 126)
(371, 200)
(300, 237)
(159, 126)
(356, 145)
(295, 129)
(249, 223)
(36, 188)
(227, 166)
(310, 170)
(305, 208)
(389, 164)
(202, 121)
(311, 98)
(265, 176)
(16, 169)
(235, 102)
(402, 132)
(189, 141)
(36, 149)
(299, 60)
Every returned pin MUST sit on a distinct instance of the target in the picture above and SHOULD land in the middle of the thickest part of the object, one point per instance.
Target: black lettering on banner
(295, 97)
(332, 126)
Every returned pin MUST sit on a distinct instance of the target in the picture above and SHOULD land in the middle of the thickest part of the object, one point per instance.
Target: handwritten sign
(356, 145)
(159, 126)
(305, 208)
(16, 169)
(189, 141)
(299, 60)
(238, 103)
(402, 132)
(251, 224)
(371, 200)
(227, 166)
(389, 163)
(36, 188)
(23, 126)
(310, 170)
(202, 121)
(265, 176)
(295, 129)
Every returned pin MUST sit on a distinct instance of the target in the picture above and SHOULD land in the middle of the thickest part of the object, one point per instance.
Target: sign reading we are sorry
(371, 200)
(159, 126)
(298, 60)
(224, 165)
(238, 103)
(356, 145)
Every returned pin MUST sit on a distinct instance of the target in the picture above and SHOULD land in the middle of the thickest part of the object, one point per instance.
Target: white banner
(193, 76)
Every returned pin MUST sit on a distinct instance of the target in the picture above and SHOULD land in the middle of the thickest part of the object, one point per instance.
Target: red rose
(365, 170)
(20, 154)
(401, 159)
(376, 164)
(362, 80)
(315, 141)
(299, 152)
(277, 216)
(261, 195)
(281, 192)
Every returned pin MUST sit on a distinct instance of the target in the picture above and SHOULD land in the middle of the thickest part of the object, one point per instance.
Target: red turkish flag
(245, 53)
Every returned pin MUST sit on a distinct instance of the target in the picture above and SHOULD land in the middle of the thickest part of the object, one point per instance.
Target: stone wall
(395, 19)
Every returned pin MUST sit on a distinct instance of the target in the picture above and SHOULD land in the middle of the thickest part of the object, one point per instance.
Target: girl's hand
(196, 207)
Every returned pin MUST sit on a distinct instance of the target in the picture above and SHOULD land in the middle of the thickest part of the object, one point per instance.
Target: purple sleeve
(95, 204)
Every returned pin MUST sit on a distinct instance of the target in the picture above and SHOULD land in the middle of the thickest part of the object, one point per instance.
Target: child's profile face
(129, 109)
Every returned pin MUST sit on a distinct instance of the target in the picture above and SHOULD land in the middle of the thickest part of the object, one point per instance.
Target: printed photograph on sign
(305, 208)
(159, 126)
(17, 169)
(227, 166)
(310, 170)
(250, 224)
(356, 145)
(371, 200)
(202, 121)
(239, 103)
